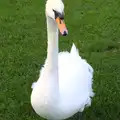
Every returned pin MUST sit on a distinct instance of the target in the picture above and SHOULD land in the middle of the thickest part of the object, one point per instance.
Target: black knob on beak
(64, 33)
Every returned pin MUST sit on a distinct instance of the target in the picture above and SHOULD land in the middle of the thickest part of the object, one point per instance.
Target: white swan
(65, 83)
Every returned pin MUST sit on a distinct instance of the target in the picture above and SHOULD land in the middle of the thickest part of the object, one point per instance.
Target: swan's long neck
(51, 65)
(52, 50)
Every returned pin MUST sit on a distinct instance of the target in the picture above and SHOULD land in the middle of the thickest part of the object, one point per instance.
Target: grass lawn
(94, 26)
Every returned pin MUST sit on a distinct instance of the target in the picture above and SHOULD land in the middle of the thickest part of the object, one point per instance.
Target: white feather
(65, 83)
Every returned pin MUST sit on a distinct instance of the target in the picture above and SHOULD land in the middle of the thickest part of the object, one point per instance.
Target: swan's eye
(57, 14)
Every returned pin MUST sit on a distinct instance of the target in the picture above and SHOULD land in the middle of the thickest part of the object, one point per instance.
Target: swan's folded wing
(75, 79)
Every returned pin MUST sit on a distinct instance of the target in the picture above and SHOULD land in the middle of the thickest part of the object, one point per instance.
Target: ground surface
(94, 26)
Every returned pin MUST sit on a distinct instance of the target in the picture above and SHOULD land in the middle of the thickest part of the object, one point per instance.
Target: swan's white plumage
(75, 85)
(75, 76)
(64, 86)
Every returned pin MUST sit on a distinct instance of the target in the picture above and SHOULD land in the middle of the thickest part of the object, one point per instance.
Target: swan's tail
(74, 50)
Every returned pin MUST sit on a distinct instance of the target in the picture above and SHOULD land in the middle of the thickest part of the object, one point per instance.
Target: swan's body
(65, 83)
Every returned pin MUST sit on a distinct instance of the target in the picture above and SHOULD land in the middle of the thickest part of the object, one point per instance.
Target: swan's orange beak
(61, 26)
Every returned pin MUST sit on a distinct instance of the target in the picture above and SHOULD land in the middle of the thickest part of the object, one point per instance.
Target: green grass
(94, 26)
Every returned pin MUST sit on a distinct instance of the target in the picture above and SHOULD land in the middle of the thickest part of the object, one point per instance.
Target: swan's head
(55, 10)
